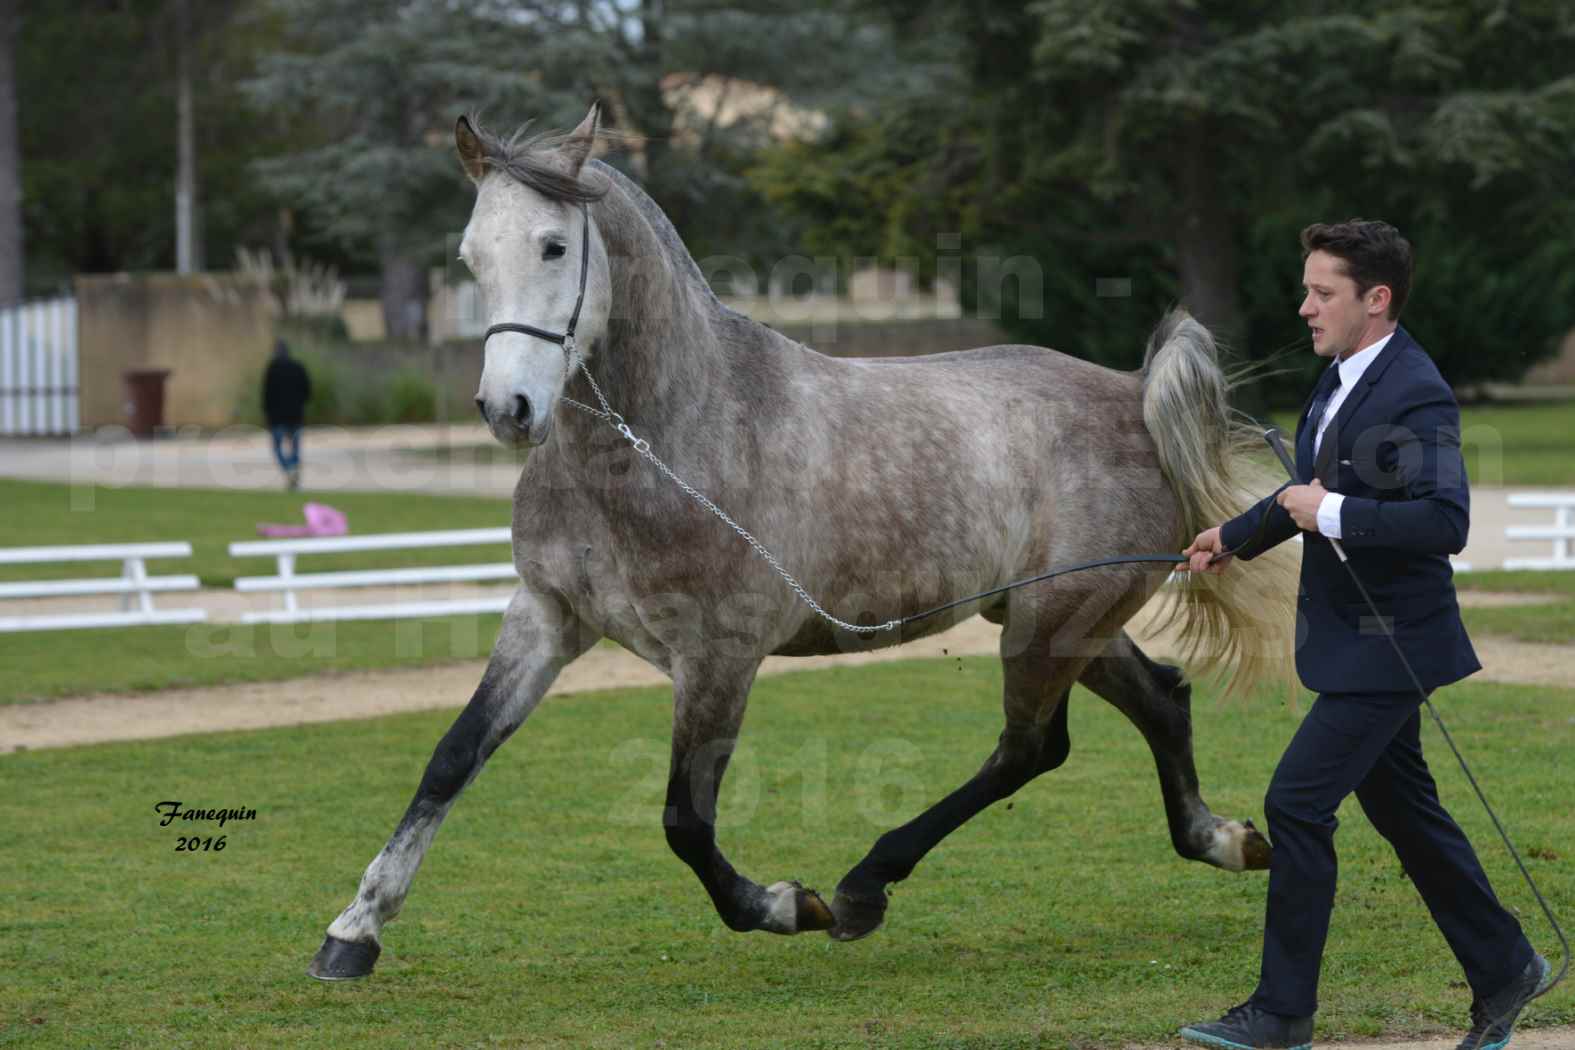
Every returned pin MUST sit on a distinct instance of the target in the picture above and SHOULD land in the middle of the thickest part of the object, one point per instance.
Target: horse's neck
(680, 369)
(659, 348)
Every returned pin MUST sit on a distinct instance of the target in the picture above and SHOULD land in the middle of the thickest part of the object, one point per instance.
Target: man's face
(1341, 321)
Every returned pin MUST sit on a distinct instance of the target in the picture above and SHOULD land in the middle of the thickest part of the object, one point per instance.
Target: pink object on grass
(321, 520)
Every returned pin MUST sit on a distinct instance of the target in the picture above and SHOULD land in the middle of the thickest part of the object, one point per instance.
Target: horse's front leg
(538, 637)
(709, 702)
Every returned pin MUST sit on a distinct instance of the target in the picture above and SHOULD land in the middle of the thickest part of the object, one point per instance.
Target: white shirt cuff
(1329, 515)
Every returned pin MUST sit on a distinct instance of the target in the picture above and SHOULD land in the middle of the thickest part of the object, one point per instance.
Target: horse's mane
(525, 158)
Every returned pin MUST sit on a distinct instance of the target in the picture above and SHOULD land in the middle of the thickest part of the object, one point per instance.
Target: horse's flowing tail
(1241, 622)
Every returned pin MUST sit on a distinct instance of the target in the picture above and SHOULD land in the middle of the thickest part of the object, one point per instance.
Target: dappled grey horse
(885, 487)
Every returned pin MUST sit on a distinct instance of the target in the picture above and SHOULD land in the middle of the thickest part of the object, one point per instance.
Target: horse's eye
(553, 251)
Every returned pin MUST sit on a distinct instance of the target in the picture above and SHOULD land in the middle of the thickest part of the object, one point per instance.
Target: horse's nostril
(521, 411)
(481, 406)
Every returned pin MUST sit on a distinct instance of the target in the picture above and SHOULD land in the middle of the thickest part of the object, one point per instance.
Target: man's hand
(1301, 503)
(1202, 551)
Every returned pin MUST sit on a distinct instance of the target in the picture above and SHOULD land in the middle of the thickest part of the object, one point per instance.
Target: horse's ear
(577, 147)
(471, 154)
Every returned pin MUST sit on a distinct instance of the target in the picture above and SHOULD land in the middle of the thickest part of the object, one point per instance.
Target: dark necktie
(1327, 389)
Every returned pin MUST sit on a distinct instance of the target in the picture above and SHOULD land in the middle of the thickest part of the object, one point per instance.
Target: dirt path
(1562, 1038)
(328, 698)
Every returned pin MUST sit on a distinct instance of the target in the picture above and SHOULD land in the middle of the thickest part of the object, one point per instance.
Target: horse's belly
(816, 637)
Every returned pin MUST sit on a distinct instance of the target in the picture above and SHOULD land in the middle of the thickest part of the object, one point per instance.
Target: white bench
(134, 585)
(288, 582)
(1561, 532)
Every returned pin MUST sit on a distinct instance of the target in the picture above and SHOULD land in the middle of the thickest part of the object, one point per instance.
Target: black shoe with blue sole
(1493, 1019)
(1246, 1027)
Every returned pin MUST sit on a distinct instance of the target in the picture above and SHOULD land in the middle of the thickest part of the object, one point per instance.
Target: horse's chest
(599, 580)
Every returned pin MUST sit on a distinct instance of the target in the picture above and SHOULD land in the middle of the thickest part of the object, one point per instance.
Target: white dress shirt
(1351, 370)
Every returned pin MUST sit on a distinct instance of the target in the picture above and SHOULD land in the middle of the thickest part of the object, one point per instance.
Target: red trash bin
(144, 406)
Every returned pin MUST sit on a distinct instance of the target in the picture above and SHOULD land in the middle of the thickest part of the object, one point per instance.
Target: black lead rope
(1124, 559)
(1273, 437)
(1120, 559)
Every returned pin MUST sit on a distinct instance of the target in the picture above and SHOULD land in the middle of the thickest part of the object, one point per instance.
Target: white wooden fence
(288, 582)
(134, 585)
(137, 588)
(38, 368)
(1561, 532)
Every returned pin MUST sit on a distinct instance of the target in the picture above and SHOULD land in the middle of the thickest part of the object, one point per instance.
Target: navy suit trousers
(1370, 744)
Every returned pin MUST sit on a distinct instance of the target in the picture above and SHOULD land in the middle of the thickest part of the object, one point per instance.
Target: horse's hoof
(794, 909)
(1256, 853)
(339, 960)
(856, 916)
(813, 912)
(1235, 846)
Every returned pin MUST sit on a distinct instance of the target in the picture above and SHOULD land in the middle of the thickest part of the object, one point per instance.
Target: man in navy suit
(1379, 469)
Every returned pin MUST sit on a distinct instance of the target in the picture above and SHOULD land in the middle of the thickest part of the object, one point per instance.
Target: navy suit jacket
(1393, 451)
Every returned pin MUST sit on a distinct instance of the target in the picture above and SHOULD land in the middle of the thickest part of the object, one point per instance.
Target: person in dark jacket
(1378, 468)
(286, 389)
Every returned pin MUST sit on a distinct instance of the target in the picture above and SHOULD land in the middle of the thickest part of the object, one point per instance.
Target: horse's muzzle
(517, 423)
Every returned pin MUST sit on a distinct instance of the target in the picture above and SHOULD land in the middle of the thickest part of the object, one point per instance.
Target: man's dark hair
(1373, 252)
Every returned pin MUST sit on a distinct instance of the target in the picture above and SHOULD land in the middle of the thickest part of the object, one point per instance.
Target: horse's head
(530, 243)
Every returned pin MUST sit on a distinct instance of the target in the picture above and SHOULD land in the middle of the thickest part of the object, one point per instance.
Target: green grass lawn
(475, 453)
(41, 666)
(550, 913)
(1528, 443)
(1544, 624)
(1519, 444)
(1552, 623)
(46, 514)
(1556, 583)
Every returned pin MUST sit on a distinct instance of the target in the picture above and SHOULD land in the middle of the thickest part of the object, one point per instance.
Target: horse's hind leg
(1034, 741)
(1157, 699)
(537, 639)
(708, 709)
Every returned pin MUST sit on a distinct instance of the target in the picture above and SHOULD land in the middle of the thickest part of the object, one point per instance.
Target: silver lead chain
(643, 447)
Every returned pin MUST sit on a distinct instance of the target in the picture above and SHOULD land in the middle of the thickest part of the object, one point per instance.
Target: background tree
(380, 84)
(1175, 149)
(11, 257)
(100, 163)
(325, 125)
(383, 82)
(192, 31)
(188, 258)
(703, 85)
(1093, 164)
